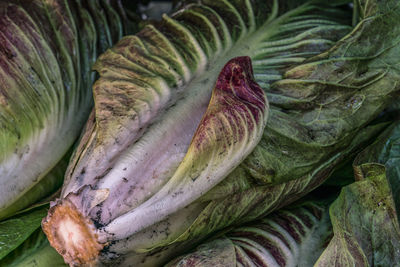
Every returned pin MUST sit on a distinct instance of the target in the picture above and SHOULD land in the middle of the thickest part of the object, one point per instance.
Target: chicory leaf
(365, 225)
(294, 236)
(385, 150)
(47, 49)
(229, 129)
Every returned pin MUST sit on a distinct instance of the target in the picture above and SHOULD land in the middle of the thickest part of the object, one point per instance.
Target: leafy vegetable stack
(209, 122)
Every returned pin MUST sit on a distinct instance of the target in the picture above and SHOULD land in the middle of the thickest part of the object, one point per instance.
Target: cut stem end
(72, 234)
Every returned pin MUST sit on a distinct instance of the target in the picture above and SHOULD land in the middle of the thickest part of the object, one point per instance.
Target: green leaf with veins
(14, 231)
(366, 228)
(385, 150)
(34, 252)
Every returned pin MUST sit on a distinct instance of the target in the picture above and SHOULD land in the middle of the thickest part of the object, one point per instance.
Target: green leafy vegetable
(34, 252)
(385, 150)
(14, 231)
(365, 225)
(165, 162)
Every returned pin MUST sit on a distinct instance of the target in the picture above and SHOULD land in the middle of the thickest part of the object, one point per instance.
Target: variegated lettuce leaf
(47, 49)
(136, 158)
(365, 222)
(293, 236)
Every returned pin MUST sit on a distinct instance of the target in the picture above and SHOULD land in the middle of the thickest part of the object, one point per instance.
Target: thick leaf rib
(229, 129)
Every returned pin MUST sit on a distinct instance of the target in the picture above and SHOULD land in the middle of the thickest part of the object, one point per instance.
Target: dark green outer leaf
(322, 103)
(366, 8)
(385, 150)
(365, 225)
(34, 252)
(16, 230)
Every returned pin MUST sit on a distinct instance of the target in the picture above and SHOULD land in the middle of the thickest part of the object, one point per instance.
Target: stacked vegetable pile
(232, 125)
(47, 49)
